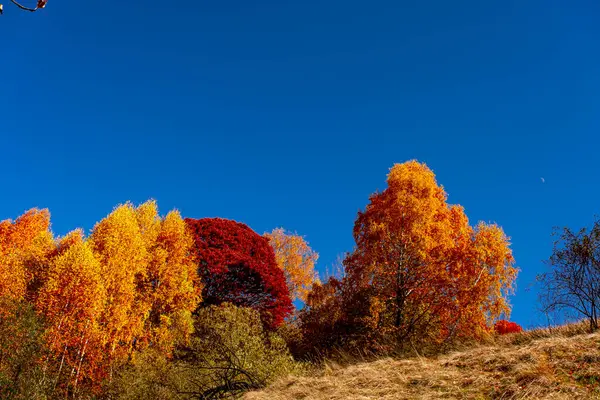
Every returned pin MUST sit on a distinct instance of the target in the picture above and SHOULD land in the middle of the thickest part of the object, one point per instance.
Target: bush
(21, 351)
(229, 354)
(232, 353)
(503, 327)
(150, 376)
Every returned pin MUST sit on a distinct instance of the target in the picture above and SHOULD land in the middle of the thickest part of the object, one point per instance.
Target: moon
(543, 180)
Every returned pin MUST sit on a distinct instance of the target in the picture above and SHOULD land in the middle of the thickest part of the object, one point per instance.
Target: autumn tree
(72, 301)
(131, 285)
(238, 266)
(572, 282)
(25, 245)
(322, 321)
(429, 272)
(148, 276)
(171, 287)
(297, 260)
(119, 247)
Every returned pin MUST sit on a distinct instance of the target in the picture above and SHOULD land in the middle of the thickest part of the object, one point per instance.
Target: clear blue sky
(281, 113)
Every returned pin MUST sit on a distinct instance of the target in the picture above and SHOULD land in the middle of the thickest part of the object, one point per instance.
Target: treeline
(151, 306)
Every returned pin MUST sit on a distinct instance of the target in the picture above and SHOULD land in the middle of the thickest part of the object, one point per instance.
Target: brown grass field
(556, 363)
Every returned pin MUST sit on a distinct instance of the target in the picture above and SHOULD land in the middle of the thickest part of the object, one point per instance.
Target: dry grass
(558, 363)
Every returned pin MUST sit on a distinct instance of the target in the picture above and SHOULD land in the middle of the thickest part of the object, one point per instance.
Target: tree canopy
(238, 266)
(297, 260)
(419, 270)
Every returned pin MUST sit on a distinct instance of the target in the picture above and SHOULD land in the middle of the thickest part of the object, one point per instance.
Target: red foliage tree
(503, 327)
(238, 266)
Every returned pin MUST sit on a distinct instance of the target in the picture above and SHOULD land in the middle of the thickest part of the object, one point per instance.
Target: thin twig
(25, 8)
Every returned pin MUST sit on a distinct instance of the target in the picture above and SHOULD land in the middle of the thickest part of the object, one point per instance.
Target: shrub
(229, 354)
(21, 347)
(504, 327)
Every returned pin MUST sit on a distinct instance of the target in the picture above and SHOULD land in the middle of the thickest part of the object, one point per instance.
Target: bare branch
(40, 4)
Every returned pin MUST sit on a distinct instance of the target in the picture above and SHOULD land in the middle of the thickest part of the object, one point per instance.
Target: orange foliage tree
(419, 270)
(425, 265)
(25, 245)
(297, 260)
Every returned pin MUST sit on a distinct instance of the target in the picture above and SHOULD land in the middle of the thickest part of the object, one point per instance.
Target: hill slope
(562, 364)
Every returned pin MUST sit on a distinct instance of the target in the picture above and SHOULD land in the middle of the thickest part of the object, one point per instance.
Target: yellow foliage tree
(171, 287)
(120, 247)
(150, 278)
(72, 300)
(297, 260)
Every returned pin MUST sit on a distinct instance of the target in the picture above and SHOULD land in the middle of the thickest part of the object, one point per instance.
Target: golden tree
(429, 273)
(72, 300)
(120, 247)
(297, 260)
(171, 287)
(150, 278)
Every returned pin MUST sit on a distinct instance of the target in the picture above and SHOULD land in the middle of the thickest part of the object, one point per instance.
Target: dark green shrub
(229, 354)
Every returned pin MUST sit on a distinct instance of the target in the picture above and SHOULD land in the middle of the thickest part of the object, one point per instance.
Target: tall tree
(238, 266)
(297, 260)
(72, 300)
(428, 271)
(119, 245)
(171, 286)
(150, 278)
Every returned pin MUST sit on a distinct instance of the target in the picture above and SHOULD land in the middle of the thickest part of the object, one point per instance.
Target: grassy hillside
(559, 363)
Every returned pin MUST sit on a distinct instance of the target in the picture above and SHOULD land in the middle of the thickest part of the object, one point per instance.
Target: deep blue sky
(281, 113)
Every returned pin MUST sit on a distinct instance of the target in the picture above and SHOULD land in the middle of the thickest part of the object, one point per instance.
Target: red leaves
(503, 327)
(238, 266)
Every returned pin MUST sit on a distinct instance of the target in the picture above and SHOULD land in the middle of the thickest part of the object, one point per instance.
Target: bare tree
(573, 282)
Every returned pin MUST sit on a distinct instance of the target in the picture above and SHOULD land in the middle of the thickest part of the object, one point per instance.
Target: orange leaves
(296, 259)
(426, 266)
(24, 247)
(72, 300)
(132, 283)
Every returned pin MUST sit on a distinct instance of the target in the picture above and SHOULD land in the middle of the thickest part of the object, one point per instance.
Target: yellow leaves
(149, 276)
(74, 283)
(119, 243)
(148, 221)
(133, 281)
(72, 300)
(120, 247)
(171, 286)
(295, 257)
